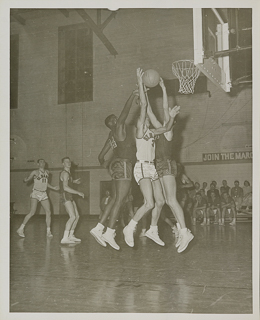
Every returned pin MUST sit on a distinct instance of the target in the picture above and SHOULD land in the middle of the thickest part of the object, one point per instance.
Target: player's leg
(97, 231)
(47, 208)
(70, 210)
(122, 190)
(33, 208)
(74, 224)
(152, 233)
(147, 191)
(169, 184)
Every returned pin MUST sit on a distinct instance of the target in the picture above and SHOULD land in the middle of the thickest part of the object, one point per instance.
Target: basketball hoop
(187, 73)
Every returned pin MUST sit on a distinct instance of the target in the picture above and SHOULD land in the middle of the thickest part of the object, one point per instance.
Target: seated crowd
(204, 204)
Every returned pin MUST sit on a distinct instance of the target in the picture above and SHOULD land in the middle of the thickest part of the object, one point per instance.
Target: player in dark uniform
(66, 192)
(167, 171)
(122, 140)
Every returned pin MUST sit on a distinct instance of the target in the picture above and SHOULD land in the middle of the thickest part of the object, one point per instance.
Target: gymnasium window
(75, 64)
(14, 70)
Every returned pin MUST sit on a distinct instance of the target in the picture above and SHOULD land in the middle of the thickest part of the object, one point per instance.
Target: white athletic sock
(178, 226)
(110, 231)
(132, 224)
(22, 226)
(71, 233)
(100, 226)
(153, 228)
(66, 234)
(48, 229)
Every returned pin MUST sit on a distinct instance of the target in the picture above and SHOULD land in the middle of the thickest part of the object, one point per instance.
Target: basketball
(151, 78)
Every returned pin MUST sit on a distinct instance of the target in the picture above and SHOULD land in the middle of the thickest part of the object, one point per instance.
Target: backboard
(223, 45)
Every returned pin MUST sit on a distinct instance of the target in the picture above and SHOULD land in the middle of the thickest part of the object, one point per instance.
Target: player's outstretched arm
(143, 105)
(168, 126)
(52, 187)
(124, 114)
(32, 174)
(154, 121)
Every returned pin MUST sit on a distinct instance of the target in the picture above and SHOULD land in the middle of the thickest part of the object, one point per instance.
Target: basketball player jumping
(144, 170)
(122, 140)
(67, 199)
(40, 178)
(167, 171)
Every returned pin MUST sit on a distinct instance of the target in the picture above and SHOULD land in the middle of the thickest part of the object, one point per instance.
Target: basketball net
(187, 73)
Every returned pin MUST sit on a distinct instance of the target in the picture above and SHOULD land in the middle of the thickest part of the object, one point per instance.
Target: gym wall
(146, 38)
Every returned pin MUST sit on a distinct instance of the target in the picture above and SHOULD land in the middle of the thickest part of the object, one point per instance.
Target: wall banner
(227, 156)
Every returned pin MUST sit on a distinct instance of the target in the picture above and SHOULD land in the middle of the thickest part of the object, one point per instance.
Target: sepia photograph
(132, 139)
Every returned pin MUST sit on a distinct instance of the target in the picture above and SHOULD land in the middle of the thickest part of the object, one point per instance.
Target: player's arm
(169, 134)
(104, 151)
(186, 182)
(76, 181)
(30, 177)
(143, 105)
(65, 180)
(173, 112)
(154, 121)
(52, 187)
(125, 112)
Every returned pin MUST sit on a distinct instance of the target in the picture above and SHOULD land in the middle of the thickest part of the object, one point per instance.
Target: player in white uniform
(144, 170)
(40, 178)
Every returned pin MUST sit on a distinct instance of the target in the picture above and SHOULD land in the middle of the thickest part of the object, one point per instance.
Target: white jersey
(41, 180)
(146, 147)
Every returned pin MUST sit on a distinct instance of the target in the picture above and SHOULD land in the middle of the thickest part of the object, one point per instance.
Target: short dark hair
(236, 181)
(107, 120)
(62, 160)
(38, 161)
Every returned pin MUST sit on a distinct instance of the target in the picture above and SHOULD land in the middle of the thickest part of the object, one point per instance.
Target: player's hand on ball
(161, 83)
(139, 73)
(174, 111)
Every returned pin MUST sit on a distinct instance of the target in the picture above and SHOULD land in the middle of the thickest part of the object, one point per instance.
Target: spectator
(194, 191)
(199, 208)
(228, 203)
(215, 184)
(214, 209)
(224, 187)
(204, 187)
(237, 194)
(203, 194)
(246, 204)
(212, 189)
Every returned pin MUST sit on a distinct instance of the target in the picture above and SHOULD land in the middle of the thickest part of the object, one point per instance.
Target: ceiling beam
(106, 22)
(98, 17)
(18, 18)
(65, 12)
(96, 29)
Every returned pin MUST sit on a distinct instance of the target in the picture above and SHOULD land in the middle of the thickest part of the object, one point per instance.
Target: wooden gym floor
(214, 275)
